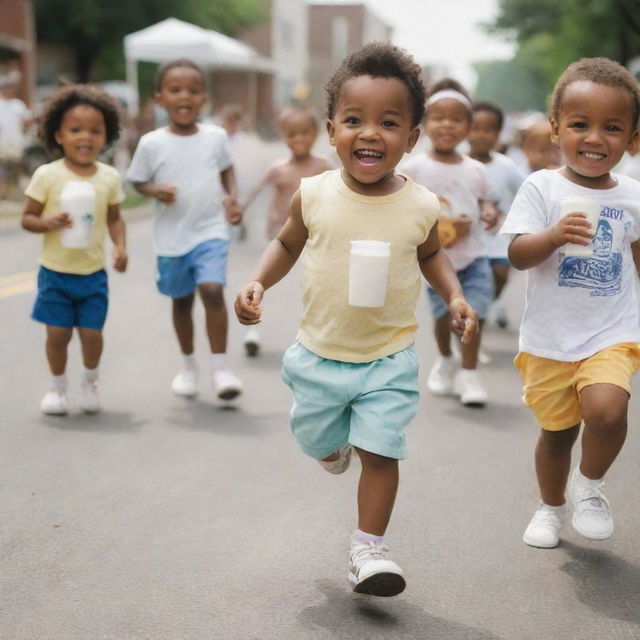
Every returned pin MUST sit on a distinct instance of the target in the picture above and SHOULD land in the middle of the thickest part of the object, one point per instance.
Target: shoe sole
(54, 413)
(475, 404)
(251, 349)
(229, 394)
(384, 585)
(539, 546)
(590, 536)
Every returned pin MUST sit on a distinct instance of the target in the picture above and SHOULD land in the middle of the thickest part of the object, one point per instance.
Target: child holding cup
(580, 329)
(74, 202)
(353, 370)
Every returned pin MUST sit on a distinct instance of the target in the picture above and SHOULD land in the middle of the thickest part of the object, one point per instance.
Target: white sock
(583, 482)
(556, 508)
(91, 375)
(366, 538)
(59, 383)
(189, 361)
(218, 361)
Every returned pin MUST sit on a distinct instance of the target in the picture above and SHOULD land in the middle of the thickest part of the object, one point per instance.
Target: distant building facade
(17, 44)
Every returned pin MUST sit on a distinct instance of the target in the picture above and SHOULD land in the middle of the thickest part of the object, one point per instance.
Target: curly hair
(71, 96)
(599, 71)
(165, 67)
(379, 60)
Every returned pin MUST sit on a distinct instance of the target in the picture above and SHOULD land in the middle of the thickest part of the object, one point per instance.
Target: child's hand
(462, 225)
(464, 320)
(165, 193)
(58, 221)
(232, 210)
(489, 215)
(120, 259)
(574, 227)
(247, 303)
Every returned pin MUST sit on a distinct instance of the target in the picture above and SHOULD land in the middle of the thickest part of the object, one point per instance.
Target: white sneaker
(252, 343)
(341, 464)
(467, 385)
(543, 530)
(226, 385)
(372, 572)
(54, 403)
(484, 357)
(440, 379)
(89, 397)
(591, 510)
(186, 383)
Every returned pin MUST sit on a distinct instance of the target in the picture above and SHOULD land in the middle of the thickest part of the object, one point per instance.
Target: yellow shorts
(552, 388)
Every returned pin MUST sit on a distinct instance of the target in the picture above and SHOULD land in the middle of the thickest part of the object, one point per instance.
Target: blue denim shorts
(366, 404)
(72, 300)
(476, 280)
(178, 277)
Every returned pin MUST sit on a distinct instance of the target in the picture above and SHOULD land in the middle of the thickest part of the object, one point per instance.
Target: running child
(504, 181)
(185, 167)
(462, 186)
(79, 121)
(299, 128)
(353, 370)
(581, 325)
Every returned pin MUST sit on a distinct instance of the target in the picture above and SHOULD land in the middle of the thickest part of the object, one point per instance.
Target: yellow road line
(15, 289)
(14, 277)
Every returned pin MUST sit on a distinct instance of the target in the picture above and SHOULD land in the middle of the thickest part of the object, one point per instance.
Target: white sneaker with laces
(543, 530)
(252, 343)
(54, 403)
(591, 511)
(372, 572)
(467, 385)
(341, 464)
(89, 396)
(186, 383)
(440, 379)
(226, 385)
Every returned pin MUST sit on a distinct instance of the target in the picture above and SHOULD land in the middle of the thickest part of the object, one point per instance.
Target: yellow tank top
(334, 215)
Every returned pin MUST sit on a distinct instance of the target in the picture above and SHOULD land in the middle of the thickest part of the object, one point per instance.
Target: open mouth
(592, 155)
(368, 156)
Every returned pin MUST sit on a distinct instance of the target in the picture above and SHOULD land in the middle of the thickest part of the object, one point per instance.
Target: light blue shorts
(334, 403)
(476, 280)
(178, 277)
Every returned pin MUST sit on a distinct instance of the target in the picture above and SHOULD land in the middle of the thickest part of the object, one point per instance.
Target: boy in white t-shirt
(581, 324)
(183, 167)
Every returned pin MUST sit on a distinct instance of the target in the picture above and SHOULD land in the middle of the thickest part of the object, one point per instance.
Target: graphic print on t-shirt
(600, 272)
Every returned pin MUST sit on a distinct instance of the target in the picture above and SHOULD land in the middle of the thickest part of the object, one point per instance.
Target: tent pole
(132, 81)
(252, 97)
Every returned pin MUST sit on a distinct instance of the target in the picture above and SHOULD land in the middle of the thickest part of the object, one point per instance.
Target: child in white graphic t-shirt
(581, 325)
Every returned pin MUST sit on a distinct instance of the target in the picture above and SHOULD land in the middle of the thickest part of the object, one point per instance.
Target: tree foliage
(94, 28)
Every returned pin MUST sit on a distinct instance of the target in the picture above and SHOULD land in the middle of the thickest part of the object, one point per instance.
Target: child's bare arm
(635, 252)
(164, 192)
(276, 261)
(531, 249)
(232, 209)
(268, 177)
(33, 221)
(439, 273)
(117, 233)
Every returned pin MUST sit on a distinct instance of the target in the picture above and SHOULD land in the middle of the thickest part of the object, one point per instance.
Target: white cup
(591, 208)
(78, 199)
(368, 273)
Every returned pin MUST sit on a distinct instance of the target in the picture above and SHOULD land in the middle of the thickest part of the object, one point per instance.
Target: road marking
(17, 283)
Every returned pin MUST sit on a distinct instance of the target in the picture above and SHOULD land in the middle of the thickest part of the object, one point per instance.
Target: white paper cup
(78, 199)
(368, 273)
(591, 208)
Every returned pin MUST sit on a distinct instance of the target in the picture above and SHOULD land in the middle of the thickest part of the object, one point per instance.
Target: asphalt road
(165, 519)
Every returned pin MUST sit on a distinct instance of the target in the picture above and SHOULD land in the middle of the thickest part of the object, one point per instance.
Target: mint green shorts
(366, 404)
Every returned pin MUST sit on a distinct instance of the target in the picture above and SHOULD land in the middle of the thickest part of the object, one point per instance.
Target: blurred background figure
(232, 121)
(536, 145)
(15, 119)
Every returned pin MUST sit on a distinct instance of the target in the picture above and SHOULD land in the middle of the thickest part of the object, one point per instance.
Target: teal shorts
(366, 404)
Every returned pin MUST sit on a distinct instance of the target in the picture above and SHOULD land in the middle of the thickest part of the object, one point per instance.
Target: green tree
(94, 28)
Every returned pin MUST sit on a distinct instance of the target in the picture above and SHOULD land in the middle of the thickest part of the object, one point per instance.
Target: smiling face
(182, 95)
(82, 136)
(300, 131)
(593, 128)
(484, 133)
(447, 124)
(371, 129)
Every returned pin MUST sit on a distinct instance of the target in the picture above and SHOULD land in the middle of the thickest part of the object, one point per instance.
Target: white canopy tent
(173, 38)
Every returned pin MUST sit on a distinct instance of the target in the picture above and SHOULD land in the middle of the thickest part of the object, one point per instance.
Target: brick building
(17, 43)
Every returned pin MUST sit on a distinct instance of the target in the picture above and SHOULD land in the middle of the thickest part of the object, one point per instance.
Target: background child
(78, 121)
(504, 181)
(353, 371)
(461, 184)
(299, 128)
(580, 329)
(182, 166)
(539, 149)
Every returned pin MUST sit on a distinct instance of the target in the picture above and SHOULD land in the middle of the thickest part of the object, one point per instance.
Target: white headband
(449, 93)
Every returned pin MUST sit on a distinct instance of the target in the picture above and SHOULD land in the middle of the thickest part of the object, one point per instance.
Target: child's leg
(183, 322)
(470, 350)
(553, 461)
(92, 343)
(56, 348)
(376, 491)
(442, 332)
(500, 277)
(604, 407)
(212, 295)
